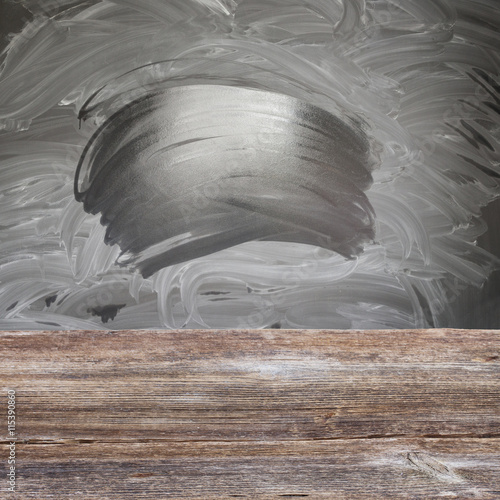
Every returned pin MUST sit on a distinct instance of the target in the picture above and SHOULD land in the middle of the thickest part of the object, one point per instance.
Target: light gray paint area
(247, 164)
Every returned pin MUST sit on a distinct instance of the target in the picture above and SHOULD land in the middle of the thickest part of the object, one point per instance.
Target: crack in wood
(70, 441)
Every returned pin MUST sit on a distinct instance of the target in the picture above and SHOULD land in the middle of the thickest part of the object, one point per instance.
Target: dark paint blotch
(275, 326)
(106, 313)
(50, 300)
(13, 17)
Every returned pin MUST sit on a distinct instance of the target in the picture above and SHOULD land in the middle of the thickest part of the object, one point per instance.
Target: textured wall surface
(246, 164)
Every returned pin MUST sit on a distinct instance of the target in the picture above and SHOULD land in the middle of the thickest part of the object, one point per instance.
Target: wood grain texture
(257, 414)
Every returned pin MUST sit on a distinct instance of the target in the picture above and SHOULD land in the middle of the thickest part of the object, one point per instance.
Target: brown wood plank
(210, 414)
(365, 468)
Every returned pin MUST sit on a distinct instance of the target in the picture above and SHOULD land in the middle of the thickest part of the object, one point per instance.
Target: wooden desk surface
(253, 414)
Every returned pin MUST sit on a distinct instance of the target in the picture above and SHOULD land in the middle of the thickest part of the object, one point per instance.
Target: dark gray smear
(490, 81)
(50, 300)
(13, 17)
(106, 313)
(197, 169)
(477, 136)
(483, 168)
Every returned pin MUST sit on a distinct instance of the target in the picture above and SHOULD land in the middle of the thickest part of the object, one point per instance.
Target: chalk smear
(247, 164)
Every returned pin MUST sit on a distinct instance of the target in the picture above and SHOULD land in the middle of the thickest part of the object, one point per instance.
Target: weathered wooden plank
(253, 385)
(210, 414)
(354, 469)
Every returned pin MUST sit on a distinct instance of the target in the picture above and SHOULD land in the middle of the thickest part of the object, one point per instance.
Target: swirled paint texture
(260, 166)
(247, 164)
